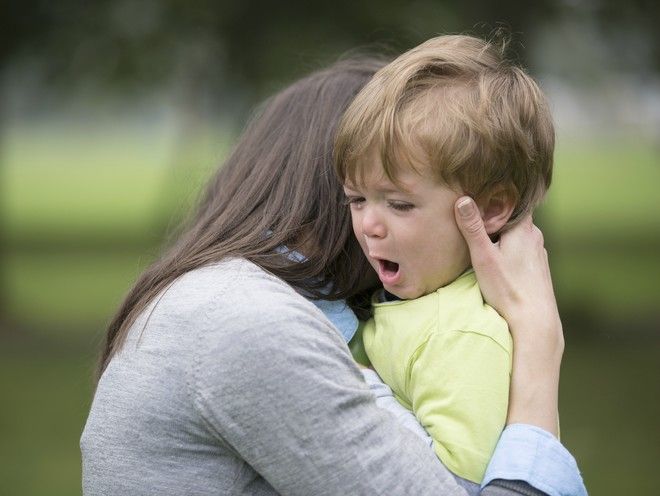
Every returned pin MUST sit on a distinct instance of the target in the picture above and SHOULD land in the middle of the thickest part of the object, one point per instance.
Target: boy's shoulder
(461, 306)
(458, 306)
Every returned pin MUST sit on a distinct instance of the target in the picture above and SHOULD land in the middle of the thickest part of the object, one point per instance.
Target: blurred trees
(236, 52)
(244, 43)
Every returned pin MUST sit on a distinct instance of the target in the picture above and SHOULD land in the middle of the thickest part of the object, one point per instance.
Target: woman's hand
(514, 277)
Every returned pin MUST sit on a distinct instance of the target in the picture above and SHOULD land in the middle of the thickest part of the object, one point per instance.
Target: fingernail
(465, 207)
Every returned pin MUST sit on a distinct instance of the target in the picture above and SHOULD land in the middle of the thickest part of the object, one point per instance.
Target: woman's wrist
(534, 390)
(534, 403)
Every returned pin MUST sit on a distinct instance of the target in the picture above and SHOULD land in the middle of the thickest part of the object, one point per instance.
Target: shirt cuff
(528, 453)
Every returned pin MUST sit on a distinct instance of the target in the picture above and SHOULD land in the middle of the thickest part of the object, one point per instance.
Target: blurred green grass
(116, 183)
(46, 396)
(80, 220)
(609, 410)
(68, 293)
(603, 234)
(605, 189)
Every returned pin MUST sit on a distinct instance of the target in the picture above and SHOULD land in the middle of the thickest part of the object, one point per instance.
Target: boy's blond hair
(453, 103)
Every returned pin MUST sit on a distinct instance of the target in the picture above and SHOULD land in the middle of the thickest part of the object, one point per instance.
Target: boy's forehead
(372, 174)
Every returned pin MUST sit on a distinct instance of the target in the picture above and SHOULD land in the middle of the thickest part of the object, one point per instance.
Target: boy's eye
(401, 206)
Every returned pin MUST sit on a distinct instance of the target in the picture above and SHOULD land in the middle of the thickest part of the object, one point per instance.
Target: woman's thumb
(472, 227)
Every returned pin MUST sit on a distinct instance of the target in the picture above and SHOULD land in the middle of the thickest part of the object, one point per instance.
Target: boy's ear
(496, 207)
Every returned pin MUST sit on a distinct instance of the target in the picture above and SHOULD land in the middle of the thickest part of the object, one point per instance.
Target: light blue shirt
(341, 316)
(337, 311)
(528, 453)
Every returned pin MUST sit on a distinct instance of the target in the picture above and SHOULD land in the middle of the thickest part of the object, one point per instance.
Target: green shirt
(447, 357)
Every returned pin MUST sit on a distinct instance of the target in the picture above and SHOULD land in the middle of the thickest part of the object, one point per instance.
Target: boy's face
(408, 231)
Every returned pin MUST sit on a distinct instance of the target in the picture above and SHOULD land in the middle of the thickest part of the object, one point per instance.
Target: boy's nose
(372, 224)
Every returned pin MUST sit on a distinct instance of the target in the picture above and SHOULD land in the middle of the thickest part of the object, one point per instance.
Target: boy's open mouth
(388, 271)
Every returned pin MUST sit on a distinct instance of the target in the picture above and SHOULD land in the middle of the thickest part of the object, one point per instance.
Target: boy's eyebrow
(395, 190)
(394, 185)
(384, 186)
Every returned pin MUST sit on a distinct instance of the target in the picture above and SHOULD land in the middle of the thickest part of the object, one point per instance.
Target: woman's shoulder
(224, 275)
(217, 284)
(233, 296)
(243, 317)
(226, 311)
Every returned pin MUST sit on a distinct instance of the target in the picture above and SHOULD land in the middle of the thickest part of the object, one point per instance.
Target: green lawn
(71, 293)
(93, 181)
(46, 397)
(609, 409)
(605, 189)
(602, 227)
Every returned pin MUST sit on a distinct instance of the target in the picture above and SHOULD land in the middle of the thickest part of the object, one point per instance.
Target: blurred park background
(112, 114)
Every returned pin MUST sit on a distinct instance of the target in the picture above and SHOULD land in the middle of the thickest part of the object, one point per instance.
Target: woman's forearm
(534, 390)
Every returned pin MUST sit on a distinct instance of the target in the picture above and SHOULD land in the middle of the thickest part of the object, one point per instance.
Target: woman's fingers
(513, 274)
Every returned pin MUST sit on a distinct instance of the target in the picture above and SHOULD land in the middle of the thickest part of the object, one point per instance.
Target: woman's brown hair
(277, 189)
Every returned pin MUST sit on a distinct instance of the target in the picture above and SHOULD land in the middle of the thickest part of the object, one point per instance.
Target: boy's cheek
(361, 242)
(355, 223)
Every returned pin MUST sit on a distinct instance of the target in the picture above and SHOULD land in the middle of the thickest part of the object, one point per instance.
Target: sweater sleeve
(275, 384)
(459, 390)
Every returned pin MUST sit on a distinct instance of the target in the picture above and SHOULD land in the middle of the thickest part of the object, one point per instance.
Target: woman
(219, 376)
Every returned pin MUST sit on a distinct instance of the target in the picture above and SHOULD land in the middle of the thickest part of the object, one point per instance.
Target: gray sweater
(232, 383)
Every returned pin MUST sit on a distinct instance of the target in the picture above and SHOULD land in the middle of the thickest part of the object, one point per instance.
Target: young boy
(448, 118)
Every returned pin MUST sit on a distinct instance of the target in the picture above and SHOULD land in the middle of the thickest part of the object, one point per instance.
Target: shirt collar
(336, 311)
(341, 316)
